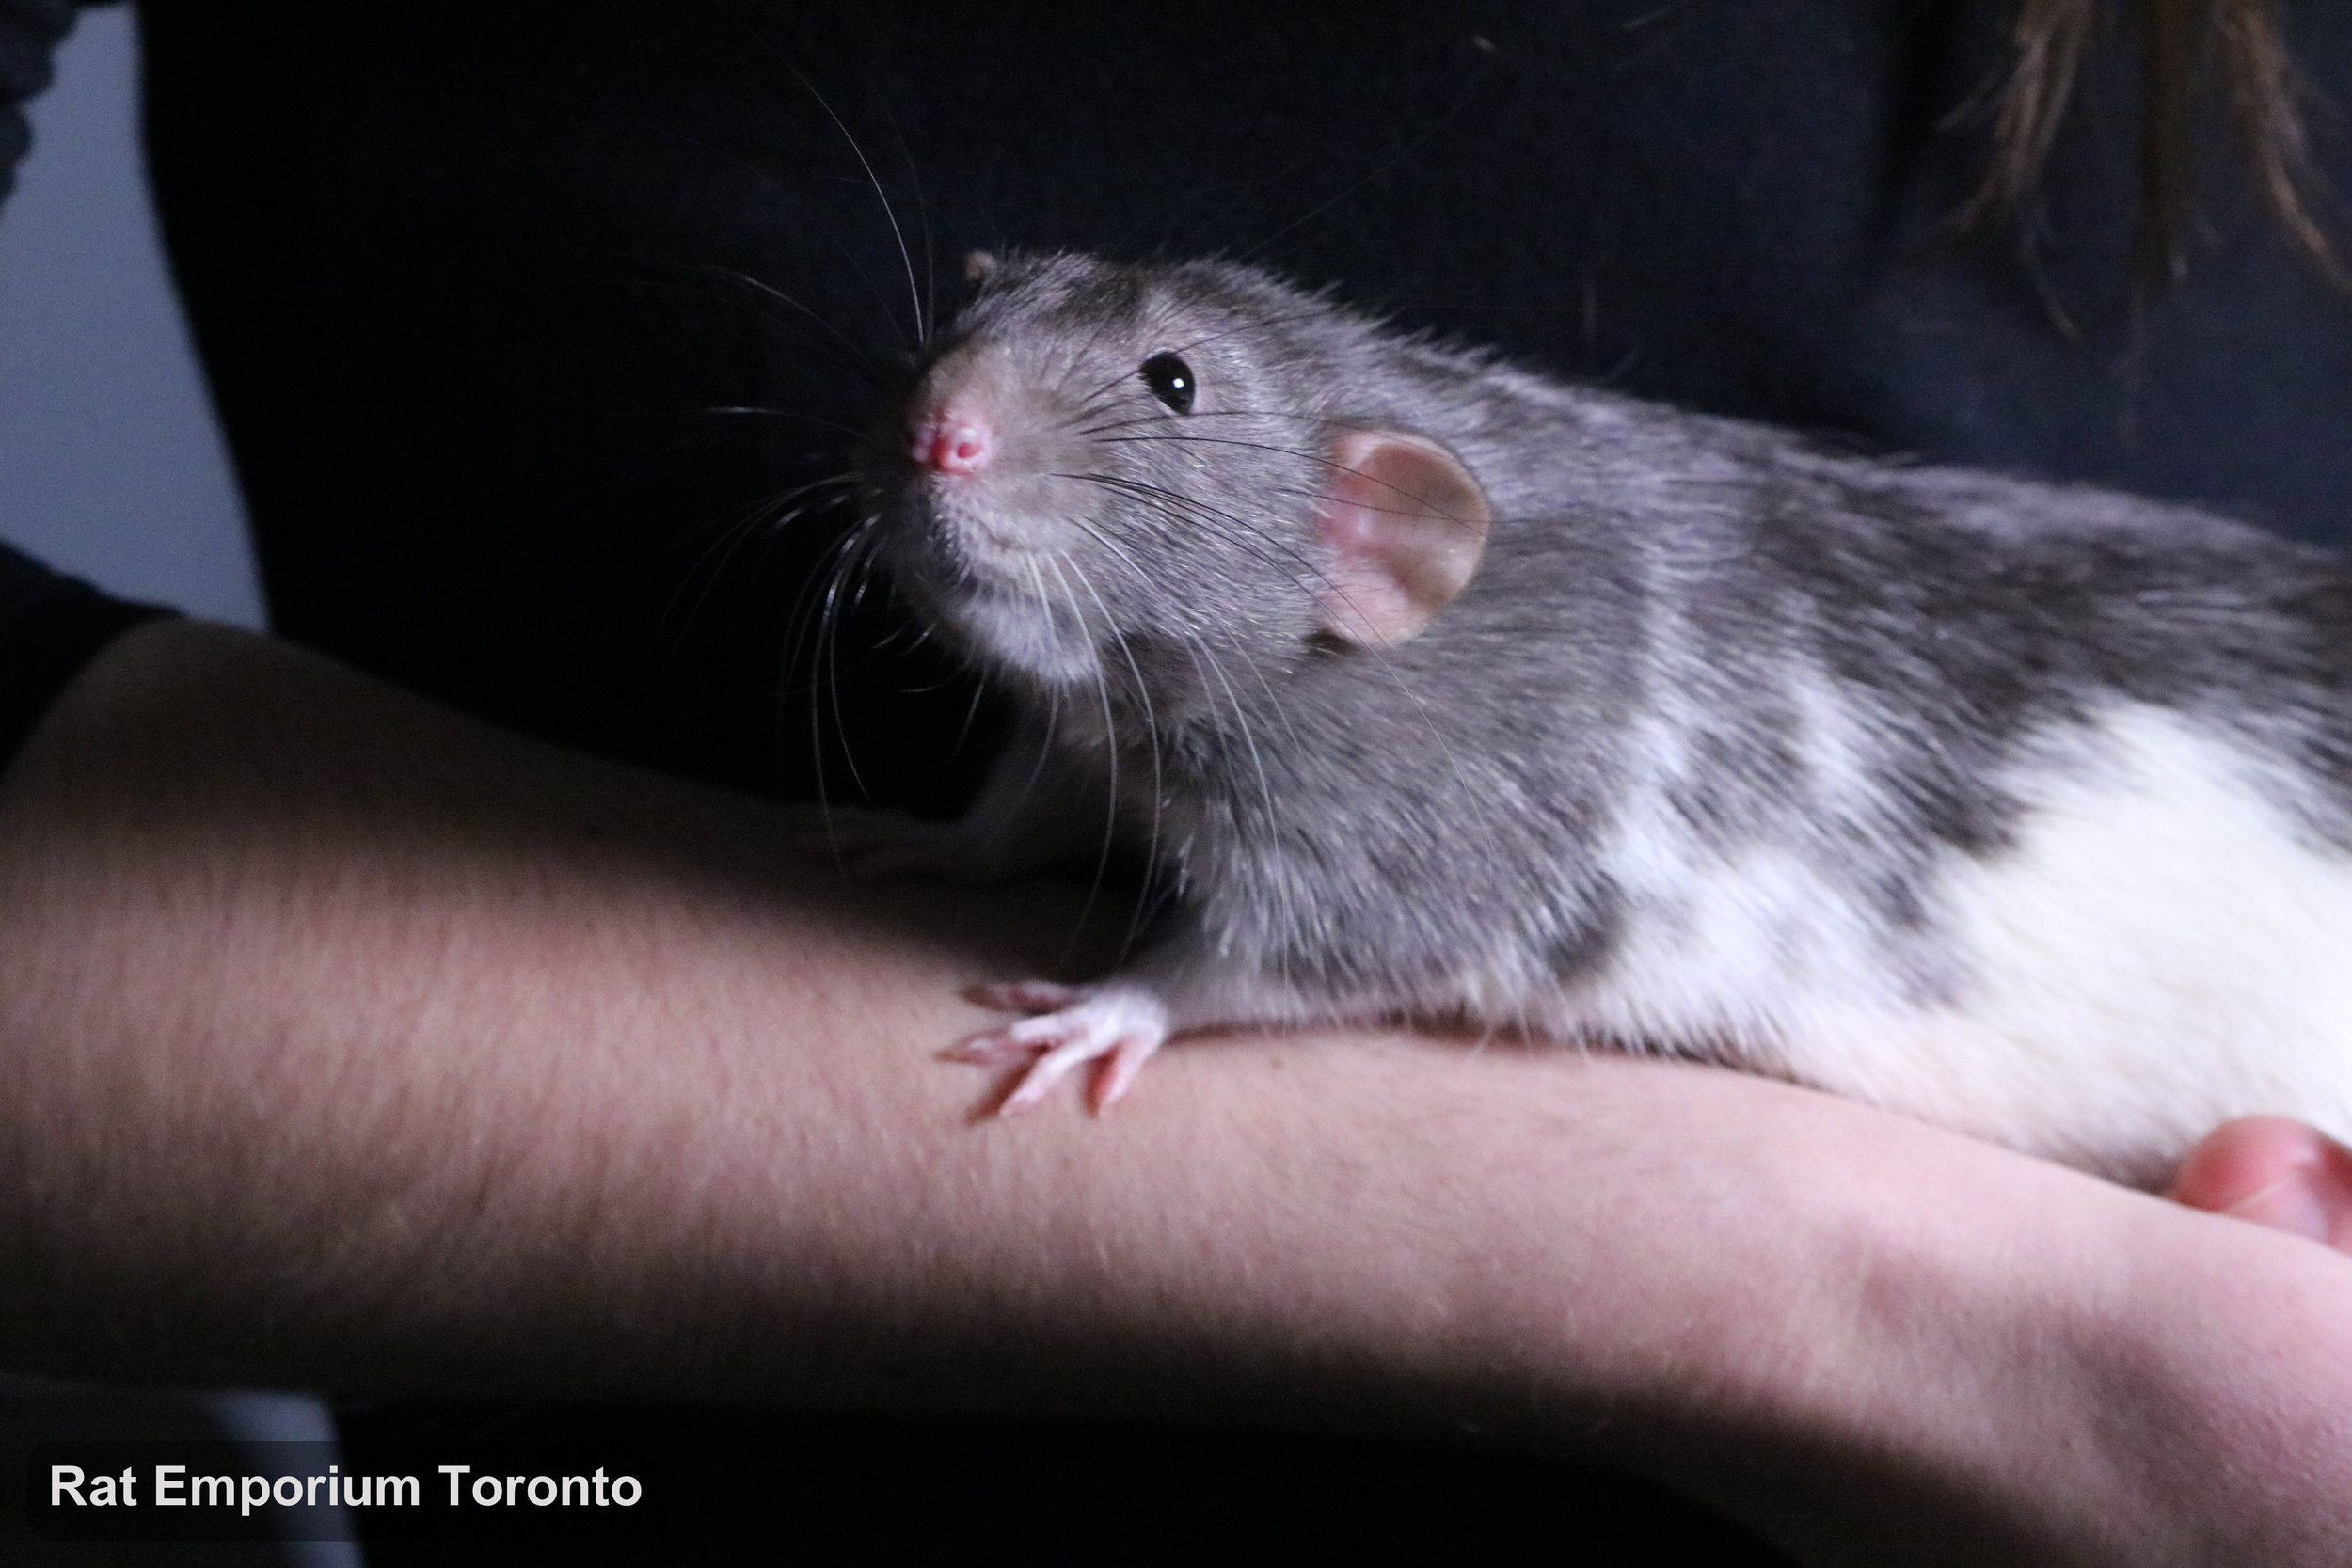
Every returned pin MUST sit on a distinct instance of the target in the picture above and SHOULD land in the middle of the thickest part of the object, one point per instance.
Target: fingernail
(2288, 1204)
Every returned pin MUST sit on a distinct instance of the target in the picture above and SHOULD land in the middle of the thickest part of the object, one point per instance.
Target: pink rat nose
(953, 441)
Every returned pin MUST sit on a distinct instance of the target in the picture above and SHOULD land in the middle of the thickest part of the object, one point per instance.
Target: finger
(2274, 1172)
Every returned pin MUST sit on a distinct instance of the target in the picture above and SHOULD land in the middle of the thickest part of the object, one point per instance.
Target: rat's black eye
(1171, 380)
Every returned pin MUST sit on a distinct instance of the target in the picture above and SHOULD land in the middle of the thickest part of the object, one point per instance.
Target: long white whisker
(701, 579)
(927, 308)
(859, 358)
(813, 628)
(755, 410)
(826, 672)
(1110, 747)
(1054, 693)
(1151, 730)
(906, 257)
(1230, 527)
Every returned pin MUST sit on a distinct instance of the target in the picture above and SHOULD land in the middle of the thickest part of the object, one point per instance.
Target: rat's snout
(952, 436)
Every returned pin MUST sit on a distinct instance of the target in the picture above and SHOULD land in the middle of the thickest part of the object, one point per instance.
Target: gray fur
(1664, 602)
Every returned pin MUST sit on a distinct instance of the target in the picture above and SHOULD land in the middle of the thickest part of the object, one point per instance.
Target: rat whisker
(1192, 344)
(825, 675)
(1110, 755)
(777, 189)
(1199, 647)
(927, 308)
(1162, 418)
(847, 540)
(1377, 172)
(1054, 692)
(1195, 648)
(857, 354)
(758, 411)
(809, 626)
(1152, 732)
(1258, 542)
(1250, 538)
(1320, 460)
(1192, 642)
(881, 194)
(1248, 738)
(1099, 402)
(730, 537)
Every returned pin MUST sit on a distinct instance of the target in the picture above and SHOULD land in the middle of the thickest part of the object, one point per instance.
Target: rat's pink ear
(977, 264)
(1406, 523)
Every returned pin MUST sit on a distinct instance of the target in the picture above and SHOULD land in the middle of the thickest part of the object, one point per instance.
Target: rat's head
(1112, 470)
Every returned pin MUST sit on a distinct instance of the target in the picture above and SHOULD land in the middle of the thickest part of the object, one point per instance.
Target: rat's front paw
(1118, 1023)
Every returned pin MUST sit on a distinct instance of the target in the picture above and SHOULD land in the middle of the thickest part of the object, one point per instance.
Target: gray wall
(110, 464)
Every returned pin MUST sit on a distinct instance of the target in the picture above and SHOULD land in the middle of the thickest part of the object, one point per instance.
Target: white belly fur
(2163, 947)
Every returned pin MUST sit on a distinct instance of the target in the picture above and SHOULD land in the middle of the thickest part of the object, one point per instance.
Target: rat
(1438, 689)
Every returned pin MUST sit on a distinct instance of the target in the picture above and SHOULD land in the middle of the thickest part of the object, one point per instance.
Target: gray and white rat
(1443, 691)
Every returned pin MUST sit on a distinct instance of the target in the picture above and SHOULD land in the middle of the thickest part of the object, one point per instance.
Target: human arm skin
(344, 1042)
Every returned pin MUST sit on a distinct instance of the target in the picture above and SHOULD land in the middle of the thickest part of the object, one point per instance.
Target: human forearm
(348, 1042)
(436, 1052)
